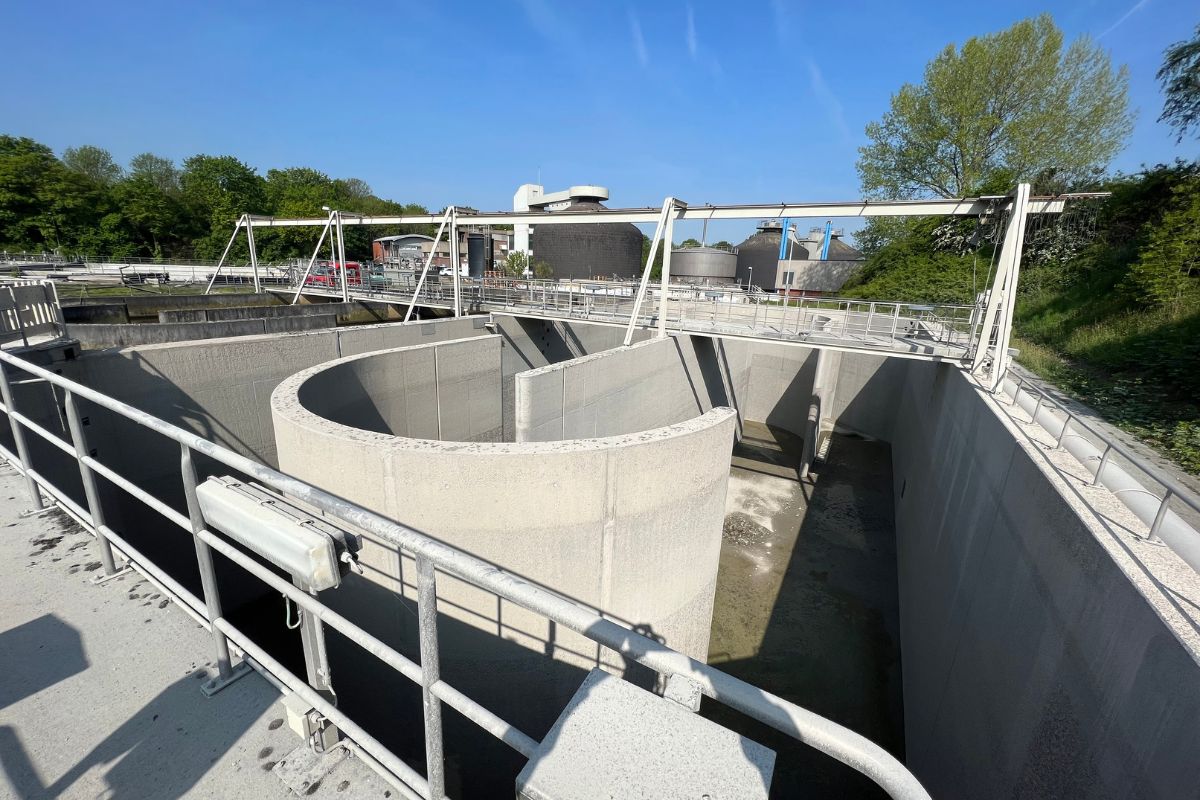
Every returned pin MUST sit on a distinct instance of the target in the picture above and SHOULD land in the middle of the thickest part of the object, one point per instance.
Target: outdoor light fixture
(313, 552)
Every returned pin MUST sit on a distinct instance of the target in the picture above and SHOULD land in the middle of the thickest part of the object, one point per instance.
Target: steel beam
(964, 207)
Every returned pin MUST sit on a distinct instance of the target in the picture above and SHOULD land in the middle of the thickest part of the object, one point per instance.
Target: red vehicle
(327, 274)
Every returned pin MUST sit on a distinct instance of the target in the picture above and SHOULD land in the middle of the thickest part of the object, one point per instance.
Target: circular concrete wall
(629, 525)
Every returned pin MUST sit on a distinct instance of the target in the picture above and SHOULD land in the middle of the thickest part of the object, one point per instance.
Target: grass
(1138, 369)
(74, 290)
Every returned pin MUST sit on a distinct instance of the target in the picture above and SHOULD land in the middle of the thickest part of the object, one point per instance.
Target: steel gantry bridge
(977, 335)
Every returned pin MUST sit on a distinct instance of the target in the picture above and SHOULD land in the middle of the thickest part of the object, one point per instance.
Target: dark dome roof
(758, 257)
(588, 250)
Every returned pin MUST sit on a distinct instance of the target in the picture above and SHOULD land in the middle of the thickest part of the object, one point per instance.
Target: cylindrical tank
(758, 257)
(477, 254)
(588, 250)
(703, 265)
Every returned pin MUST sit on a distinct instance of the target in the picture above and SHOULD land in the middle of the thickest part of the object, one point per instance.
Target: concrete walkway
(100, 685)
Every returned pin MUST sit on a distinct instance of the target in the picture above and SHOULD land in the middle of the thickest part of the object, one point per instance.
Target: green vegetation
(517, 263)
(85, 203)
(1109, 302)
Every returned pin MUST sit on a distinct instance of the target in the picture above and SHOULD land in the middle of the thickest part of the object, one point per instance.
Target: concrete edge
(1164, 579)
(285, 404)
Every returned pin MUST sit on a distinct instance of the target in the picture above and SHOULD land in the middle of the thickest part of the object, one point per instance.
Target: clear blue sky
(437, 103)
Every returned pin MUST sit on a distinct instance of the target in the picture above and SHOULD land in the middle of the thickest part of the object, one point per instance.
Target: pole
(253, 254)
(341, 246)
(428, 261)
(313, 260)
(220, 262)
(668, 235)
(454, 256)
(641, 292)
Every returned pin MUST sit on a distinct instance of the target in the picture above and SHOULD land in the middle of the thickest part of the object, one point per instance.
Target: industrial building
(605, 251)
(818, 263)
(479, 250)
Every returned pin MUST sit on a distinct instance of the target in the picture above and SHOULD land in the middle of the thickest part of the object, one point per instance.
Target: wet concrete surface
(807, 604)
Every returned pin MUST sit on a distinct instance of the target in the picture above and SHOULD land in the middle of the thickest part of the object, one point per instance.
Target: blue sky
(763, 100)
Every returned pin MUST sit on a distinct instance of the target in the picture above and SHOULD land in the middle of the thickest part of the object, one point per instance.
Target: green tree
(216, 191)
(1013, 104)
(690, 243)
(25, 166)
(159, 171)
(1180, 79)
(723, 245)
(515, 264)
(94, 163)
(1167, 271)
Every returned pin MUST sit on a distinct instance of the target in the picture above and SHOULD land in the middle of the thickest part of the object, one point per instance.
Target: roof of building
(400, 236)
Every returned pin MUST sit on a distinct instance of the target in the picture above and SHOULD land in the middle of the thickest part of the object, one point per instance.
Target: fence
(29, 311)
(1165, 525)
(431, 557)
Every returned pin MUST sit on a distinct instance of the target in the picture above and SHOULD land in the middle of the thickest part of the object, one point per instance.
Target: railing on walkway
(29, 312)
(431, 557)
(1097, 453)
(729, 310)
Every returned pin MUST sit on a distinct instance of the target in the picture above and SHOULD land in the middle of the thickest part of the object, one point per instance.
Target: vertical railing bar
(1066, 424)
(208, 575)
(1103, 463)
(90, 492)
(18, 434)
(430, 674)
(1162, 513)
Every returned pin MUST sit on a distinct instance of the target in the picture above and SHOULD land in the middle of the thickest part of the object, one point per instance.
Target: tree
(1180, 79)
(94, 163)
(1013, 105)
(723, 245)
(1167, 271)
(690, 243)
(516, 263)
(217, 190)
(159, 171)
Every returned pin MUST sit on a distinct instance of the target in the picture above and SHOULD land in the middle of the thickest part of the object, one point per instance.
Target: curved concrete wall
(595, 519)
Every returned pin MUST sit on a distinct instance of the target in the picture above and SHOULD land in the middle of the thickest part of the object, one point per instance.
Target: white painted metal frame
(429, 260)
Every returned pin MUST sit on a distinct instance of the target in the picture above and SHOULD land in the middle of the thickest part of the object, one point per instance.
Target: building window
(789, 278)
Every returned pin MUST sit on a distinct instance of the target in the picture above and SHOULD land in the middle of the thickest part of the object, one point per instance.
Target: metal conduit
(830, 738)
(1151, 509)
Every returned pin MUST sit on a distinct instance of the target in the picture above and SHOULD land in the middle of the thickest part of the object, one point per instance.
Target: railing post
(1162, 513)
(90, 492)
(17, 316)
(18, 434)
(226, 673)
(430, 674)
(1062, 434)
(1103, 464)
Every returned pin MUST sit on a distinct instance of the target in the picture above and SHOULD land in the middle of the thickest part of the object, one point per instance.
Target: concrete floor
(807, 599)
(100, 685)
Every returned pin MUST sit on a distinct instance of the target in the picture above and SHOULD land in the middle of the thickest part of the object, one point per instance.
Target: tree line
(85, 203)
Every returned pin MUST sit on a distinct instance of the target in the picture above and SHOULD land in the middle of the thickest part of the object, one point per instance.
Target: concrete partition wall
(1040, 657)
(646, 385)
(630, 525)
(448, 391)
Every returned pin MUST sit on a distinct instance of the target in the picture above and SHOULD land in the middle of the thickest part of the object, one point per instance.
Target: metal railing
(1072, 426)
(29, 309)
(431, 557)
(689, 308)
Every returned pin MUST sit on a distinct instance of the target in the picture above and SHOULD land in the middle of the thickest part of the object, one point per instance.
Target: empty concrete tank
(758, 256)
(596, 250)
(703, 265)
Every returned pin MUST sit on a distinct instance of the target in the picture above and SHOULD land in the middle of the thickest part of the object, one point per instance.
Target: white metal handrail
(431, 556)
(1171, 488)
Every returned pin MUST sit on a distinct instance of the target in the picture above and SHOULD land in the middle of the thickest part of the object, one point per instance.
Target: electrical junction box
(614, 740)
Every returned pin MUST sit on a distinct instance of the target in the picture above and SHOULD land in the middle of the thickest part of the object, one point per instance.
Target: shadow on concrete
(37, 655)
(829, 642)
(162, 751)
